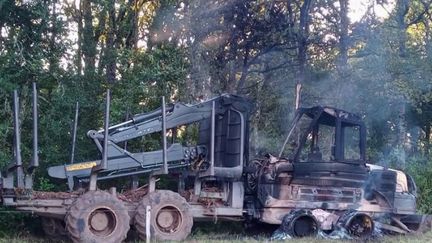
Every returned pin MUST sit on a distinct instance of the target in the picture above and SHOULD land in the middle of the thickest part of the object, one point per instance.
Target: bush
(420, 168)
(15, 223)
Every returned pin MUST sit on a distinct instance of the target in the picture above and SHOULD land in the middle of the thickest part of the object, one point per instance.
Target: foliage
(421, 170)
(378, 67)
(25, 222)
(44, 184)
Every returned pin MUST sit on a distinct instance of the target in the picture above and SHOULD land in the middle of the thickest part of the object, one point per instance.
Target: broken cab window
(300, 128)
(351, 135)
(325, 142)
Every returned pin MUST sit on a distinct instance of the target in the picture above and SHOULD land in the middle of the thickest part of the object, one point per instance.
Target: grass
(228, 233)
(425, 238)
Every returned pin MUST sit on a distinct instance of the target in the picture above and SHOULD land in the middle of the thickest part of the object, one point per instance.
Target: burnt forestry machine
(320, 180)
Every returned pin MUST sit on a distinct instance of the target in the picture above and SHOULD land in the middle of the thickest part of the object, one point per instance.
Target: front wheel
(171, 218)
(97, 216)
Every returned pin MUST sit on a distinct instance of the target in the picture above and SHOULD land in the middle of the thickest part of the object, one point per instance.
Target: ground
(229, 232)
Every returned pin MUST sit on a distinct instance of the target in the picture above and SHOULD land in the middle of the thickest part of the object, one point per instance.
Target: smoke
(200, 27)
(379, 85)
(370, 85)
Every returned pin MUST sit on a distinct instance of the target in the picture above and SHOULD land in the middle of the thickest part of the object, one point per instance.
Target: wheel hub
(169, 219)
(165, 219)
(102, 222)
(99, 221)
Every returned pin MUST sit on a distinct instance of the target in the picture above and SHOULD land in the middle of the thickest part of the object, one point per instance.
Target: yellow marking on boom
(81, 166)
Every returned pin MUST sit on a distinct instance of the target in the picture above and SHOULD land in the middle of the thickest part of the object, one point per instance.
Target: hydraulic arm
(121, 162)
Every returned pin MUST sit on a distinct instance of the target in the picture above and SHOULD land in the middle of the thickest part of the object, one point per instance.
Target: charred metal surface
(332, 185)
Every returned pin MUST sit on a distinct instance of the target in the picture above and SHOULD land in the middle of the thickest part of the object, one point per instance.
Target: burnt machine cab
(326, 134)
(327, 146)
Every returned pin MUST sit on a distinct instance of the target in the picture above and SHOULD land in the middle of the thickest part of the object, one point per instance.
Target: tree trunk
(402, 7)
(89, 43)
(79, 20)
(427, 139)
(428, 40)
(53, 60)
(343, 38)
(110, 52)
(132, 37)
(342, 59)
(302, 49)
(244, 72)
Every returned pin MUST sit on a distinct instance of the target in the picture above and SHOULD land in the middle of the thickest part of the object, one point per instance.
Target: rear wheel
(171, 218)
(54, 228)
(300, 223)
(358, 225)
(97, 216)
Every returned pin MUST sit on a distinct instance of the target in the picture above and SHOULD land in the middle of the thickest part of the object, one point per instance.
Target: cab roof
(328, 115)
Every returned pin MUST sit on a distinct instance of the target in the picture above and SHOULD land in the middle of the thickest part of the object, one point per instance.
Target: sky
(357, 8)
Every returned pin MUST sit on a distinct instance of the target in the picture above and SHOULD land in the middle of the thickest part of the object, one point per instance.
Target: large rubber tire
(171, 217)
(359, 225)
(97, 216)
(300, 223)
(251, 179)
(54, 228)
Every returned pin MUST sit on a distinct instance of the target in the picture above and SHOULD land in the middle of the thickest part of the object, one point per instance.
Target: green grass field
(226, 232)
(425, 238)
